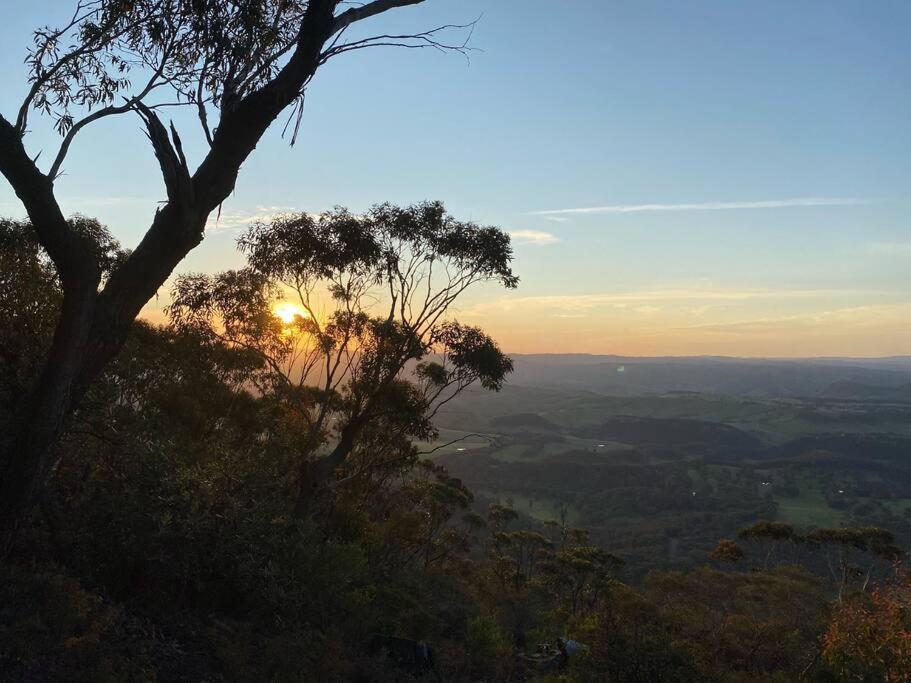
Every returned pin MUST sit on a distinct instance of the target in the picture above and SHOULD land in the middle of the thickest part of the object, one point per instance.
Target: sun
(288, 312)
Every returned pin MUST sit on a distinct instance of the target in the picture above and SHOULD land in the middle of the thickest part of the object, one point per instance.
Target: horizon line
(707, 355)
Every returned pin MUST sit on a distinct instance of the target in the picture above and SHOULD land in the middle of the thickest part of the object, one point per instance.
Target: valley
(658, 477)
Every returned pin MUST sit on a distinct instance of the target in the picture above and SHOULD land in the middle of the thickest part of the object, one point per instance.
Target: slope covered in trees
(193, 530)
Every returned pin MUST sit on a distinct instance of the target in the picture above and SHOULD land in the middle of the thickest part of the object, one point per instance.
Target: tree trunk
(29, 456)
(320, 472)
(92, 329)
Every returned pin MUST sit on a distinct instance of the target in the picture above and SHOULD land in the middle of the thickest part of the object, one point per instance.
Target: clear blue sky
(710, 118)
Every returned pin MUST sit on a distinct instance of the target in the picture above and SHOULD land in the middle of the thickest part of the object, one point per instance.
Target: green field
(454, 440)
(541, 509)
(808, 510)
(775, 421)
(691, 484)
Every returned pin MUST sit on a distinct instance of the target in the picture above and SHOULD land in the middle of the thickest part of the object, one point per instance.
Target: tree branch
(354, 14)
(170, 157)
(128, 105)
(71, 253)
(454, 441)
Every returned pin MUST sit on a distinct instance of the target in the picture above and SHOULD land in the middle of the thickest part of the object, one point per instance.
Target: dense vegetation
(237, 66)
(193, 530)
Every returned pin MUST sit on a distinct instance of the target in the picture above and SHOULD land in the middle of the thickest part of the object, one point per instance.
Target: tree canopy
(239, 66)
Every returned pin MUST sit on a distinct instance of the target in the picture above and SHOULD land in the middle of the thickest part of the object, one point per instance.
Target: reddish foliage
(871, 635)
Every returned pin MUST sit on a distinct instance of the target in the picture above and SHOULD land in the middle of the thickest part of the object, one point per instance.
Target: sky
(680, 178)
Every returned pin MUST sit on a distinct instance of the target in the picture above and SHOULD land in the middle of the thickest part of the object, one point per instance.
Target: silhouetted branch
(455, 441)
(128, 105)
(348, 17)
(424, 39)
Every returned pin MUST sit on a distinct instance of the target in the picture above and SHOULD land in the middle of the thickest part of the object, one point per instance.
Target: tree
(29, 302)
(869, 637)
(516, 555)
(369, 348)
(431, 500)
(579, 573)
(242, 63)
(499, 517)
(852, 554)
(772, 535)
(726, 551)
(631, 640)
(743, 625)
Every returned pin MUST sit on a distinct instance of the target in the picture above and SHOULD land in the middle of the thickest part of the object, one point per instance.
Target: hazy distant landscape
(803, 377)
(661, 457)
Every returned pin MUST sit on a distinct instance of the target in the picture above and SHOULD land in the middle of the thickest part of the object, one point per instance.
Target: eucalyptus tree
(855, 555)
(238, 64)
(372, 352)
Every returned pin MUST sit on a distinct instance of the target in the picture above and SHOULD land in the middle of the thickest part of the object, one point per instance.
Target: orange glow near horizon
(678, 322)
(699, 321)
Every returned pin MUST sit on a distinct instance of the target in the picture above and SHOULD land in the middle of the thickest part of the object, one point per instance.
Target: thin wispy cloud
(850, 317)
(705, 206)
(890, 248)
(649, 301)
(535, 237)
(237, 220)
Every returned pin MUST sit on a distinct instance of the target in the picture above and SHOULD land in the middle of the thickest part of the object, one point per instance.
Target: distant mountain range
(886, 379)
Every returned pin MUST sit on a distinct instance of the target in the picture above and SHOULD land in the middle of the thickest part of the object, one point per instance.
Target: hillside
(642, 470)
